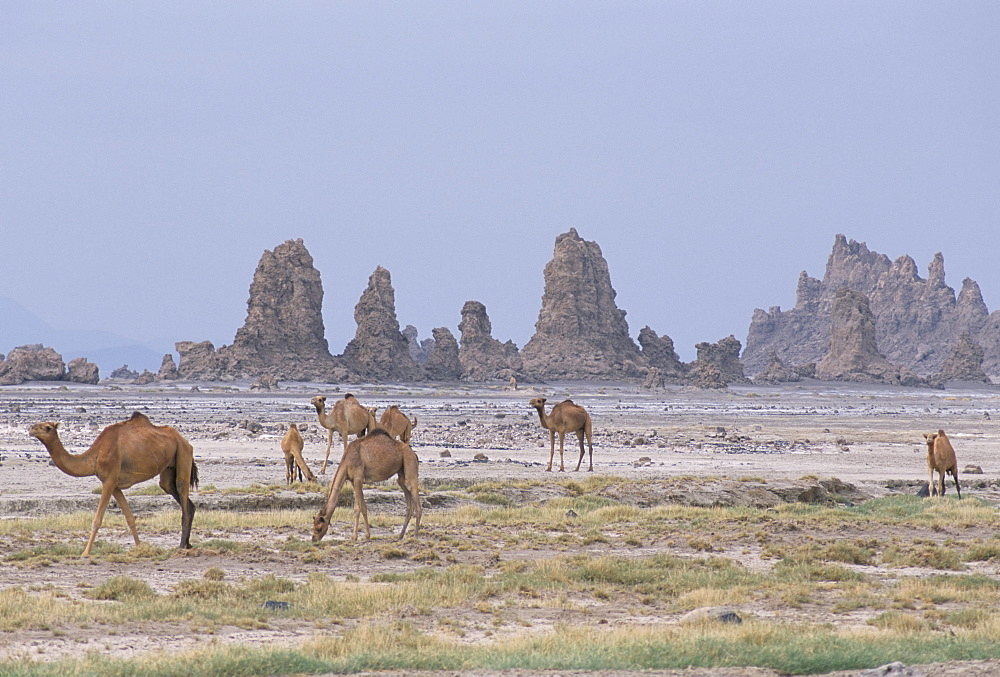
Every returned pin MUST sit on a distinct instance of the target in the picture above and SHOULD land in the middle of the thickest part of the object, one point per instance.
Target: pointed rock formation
(580, 332)
(659, 353)
(379, 351)
(283, 334)
(854, 354)
(965, 363)
(484, 358)
(168, 369)
(443, 363)
(915, 319)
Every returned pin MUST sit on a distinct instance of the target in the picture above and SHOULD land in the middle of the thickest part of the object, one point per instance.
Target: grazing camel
(347, 417)
(396, 423)
(565, 417)
(291, 445)
(372, 458)
(940, 457)
(124, 454)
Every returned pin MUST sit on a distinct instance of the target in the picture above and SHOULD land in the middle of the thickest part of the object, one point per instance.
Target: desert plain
(481, 448)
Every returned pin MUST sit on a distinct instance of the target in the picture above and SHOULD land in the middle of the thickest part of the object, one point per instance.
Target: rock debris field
(745, 445)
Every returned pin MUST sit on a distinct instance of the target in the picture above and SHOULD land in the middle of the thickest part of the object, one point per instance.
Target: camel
(124, 454)
(291, 445)
(396, 423)
(940, 457)
(347, 417)
(565, 417)
(372, 458)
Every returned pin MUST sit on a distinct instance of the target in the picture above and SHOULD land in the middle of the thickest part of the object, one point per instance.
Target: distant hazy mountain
(19, 326)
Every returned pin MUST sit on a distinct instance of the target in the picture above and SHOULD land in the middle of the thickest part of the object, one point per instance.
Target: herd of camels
(135, 450)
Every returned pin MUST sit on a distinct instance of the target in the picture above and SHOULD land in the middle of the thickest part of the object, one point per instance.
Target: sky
(151, 152)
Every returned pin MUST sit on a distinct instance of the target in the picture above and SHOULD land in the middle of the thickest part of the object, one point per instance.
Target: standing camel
(372, 458)
(565, 417)
(291, 445)
(124, 454)
(347, 417)
(940, 457)
(396, 423)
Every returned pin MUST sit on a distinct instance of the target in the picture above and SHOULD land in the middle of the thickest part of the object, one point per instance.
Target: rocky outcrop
(916, 320)
(81, 370)
(482, 357)
(32, 363)
(379, 351)
(168, 369)
(777, 372)
(443, 363)
(124, 373)
(706, 376)
(724, 356)
(580, 332)
(145, 378)
(965, 363)
(854, 354)
(200, 361)
(420, 351)
(283, 334)
(659, 353)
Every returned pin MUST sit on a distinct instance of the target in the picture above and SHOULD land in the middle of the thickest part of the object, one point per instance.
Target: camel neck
(542, 418)
(75, 465)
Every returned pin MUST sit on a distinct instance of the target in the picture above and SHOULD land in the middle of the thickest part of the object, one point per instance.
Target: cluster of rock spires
(868, 319)
(874, 320)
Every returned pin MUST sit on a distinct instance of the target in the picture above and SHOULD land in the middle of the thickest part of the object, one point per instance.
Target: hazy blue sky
(150, 152)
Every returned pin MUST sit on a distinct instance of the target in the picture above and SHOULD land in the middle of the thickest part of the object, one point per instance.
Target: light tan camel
(347, 417)
(291, 445)
(940, 457)
(565, 417)
(124, 454)
(372, 458)
(396, 423)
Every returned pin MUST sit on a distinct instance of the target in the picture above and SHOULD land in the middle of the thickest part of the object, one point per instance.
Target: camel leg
(321, 523)
(931, 487)
(562, 444)
(941, 474)
(173, 484)
(590, 447)
(329, 443)
(579, 437)
(127, 511)
(958, 489)
(552, 449)
(407, 481)
(106, 491)
(360, 510)
(289, 474)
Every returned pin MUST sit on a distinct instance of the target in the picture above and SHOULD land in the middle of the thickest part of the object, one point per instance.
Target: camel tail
(194, 475)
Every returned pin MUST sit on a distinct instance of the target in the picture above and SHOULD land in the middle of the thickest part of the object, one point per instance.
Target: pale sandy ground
(868, 436)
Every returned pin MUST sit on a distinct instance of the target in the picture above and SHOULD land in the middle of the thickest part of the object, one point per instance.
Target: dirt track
(868, 437)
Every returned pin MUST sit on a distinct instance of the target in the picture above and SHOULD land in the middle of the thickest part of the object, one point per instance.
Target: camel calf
(940, 457)
(291, 445)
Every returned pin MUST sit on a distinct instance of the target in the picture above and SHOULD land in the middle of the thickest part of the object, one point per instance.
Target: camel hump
(568, 402)
(350, 396)
(379, 431)
(140, 417)
(940, 432)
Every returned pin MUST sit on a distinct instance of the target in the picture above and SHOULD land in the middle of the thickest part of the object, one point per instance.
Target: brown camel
(347, 417)
(372, 458)
(124, 454)
(565, 417)
(291, 445)
(396, 423)
(940, 457)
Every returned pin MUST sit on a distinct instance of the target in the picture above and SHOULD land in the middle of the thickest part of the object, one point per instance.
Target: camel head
(930, 437)
(320, 525)
(319, 402)
(537, 402)
(45, 432)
